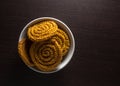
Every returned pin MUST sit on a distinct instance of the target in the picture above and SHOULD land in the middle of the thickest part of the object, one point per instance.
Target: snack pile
(45, 46)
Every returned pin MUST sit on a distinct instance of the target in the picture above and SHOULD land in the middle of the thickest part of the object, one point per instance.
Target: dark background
(96, 28)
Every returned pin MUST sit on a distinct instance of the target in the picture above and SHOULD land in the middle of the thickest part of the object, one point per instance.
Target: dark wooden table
(96, 28)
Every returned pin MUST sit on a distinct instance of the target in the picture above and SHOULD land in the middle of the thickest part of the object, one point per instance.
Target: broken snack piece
(22, 50)
(63, 40)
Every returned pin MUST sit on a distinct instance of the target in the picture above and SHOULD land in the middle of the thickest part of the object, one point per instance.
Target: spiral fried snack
(42, 31)
(63, 40)
(46, 55)
(22, 50)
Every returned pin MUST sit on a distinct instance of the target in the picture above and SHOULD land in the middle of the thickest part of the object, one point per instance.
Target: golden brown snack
(45, 46)
(63, 40)
(42, 31)
(22, 50)
(46, 55)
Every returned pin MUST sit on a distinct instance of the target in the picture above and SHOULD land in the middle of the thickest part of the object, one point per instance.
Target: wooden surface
(96, 28)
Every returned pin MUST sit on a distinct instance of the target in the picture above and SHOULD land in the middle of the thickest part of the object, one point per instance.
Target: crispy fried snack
(42, 31)
(46, 55)
(22, 50)
(63, 40)
(45, 46)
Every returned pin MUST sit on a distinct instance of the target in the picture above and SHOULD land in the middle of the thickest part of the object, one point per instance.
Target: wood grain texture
(96, 28)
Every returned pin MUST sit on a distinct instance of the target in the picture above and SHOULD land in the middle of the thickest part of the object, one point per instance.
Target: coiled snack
(22, 50)
(46, 55)
(45, 46)
(42, 31)
(63, 40)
